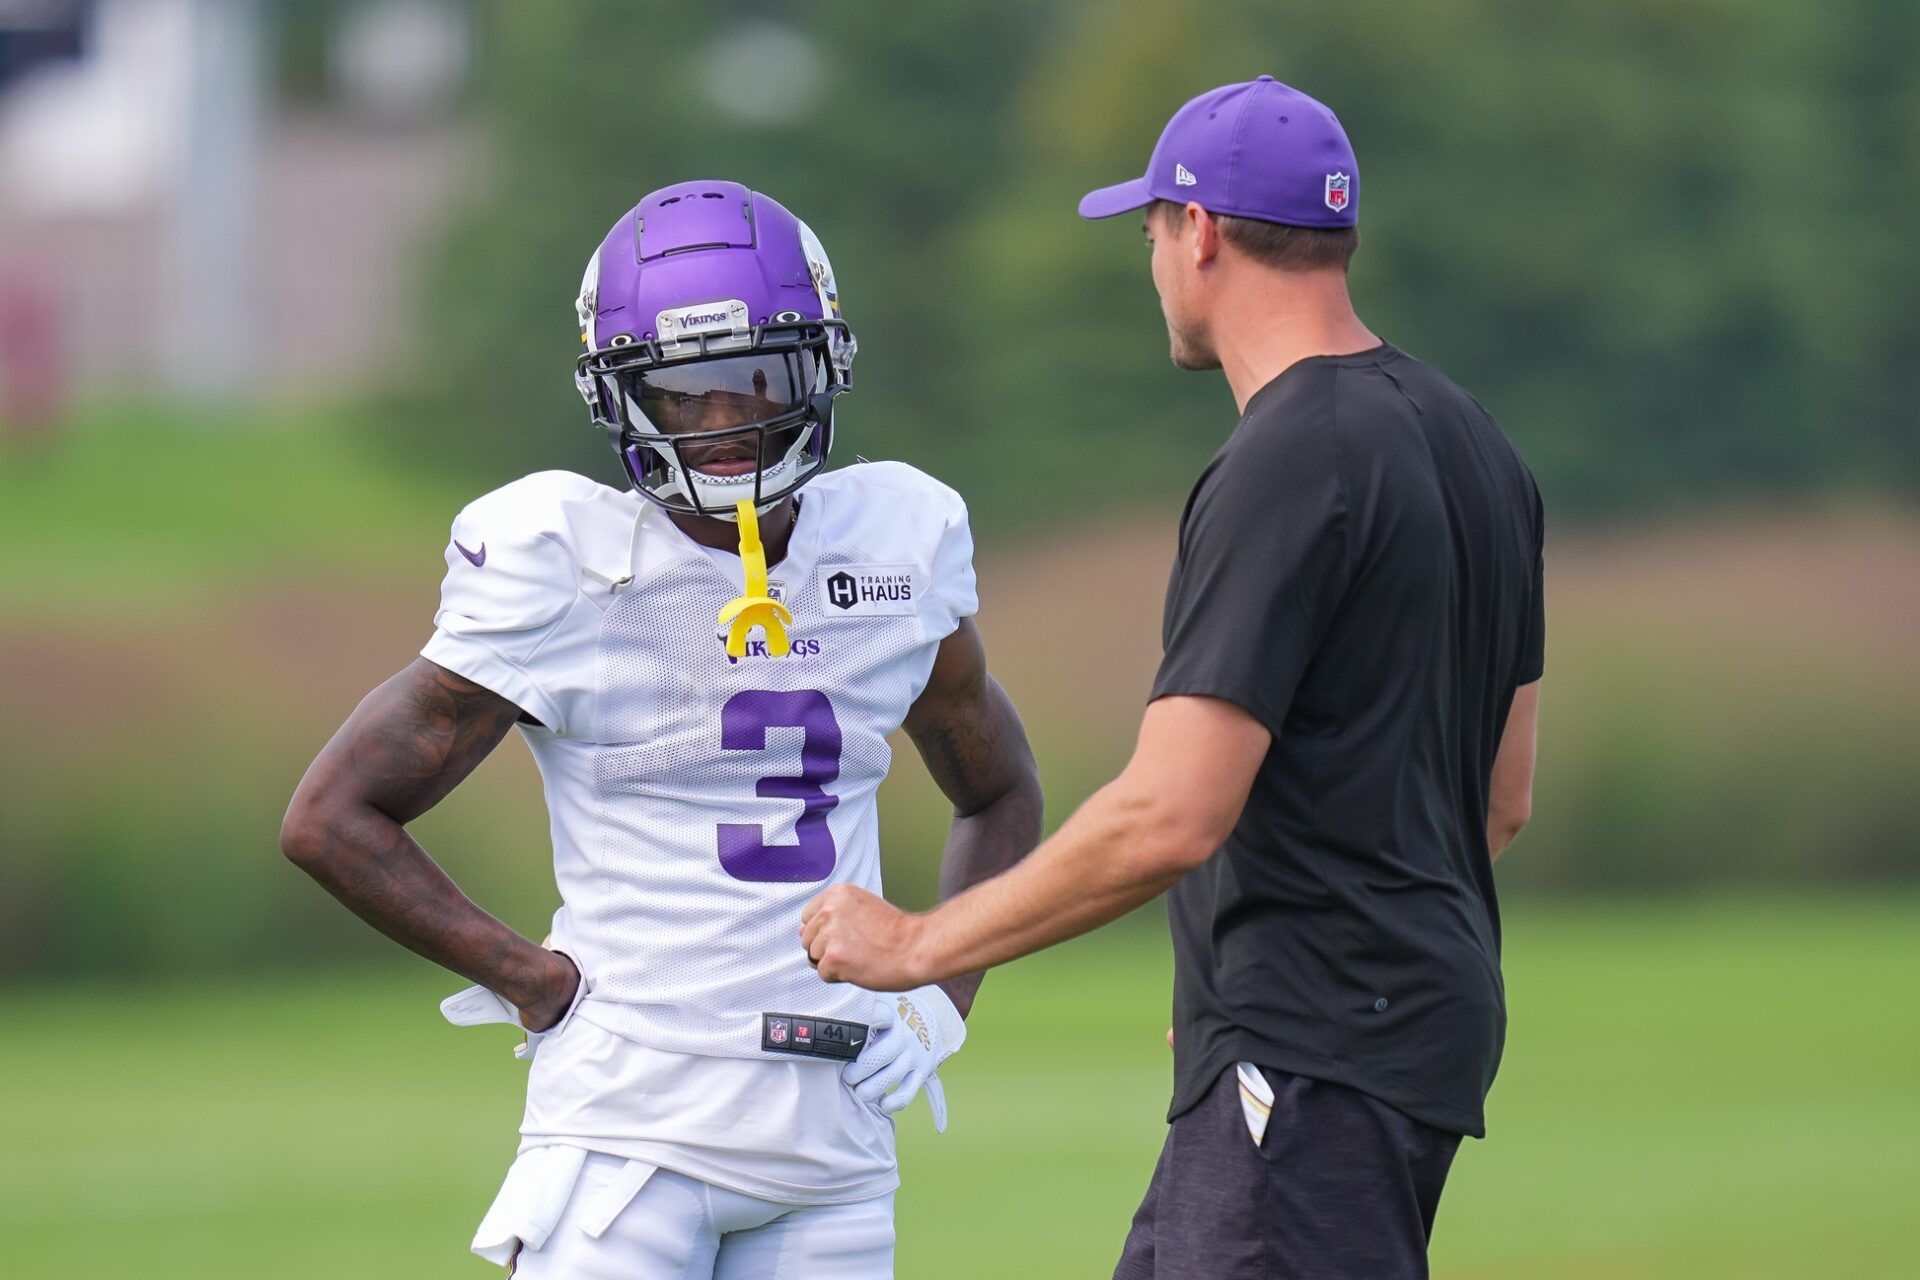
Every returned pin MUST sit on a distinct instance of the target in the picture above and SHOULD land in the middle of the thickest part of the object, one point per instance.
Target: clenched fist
(853, 936)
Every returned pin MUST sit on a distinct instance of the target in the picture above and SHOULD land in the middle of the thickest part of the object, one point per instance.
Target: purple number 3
(744, 722)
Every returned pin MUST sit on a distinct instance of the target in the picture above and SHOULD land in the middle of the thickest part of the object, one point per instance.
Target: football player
(706, 666)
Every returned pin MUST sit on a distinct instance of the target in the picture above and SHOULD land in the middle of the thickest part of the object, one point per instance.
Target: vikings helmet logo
(588, 300)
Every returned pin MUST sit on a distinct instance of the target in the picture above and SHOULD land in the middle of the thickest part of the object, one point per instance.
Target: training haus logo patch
(1339, 189)
(870, 590)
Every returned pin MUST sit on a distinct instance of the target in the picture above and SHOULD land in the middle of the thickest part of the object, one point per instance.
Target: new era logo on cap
(1182, 177)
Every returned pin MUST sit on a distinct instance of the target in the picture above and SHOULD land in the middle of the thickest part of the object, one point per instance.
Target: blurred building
(220, 196)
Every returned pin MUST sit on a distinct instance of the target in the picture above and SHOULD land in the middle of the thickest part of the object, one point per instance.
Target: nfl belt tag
(812, 1037)
(756, 608)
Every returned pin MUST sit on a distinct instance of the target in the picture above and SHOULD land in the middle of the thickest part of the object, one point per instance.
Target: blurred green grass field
(1704, 1089)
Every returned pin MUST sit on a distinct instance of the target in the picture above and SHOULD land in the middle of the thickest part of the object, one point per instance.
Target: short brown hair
(1275, 244)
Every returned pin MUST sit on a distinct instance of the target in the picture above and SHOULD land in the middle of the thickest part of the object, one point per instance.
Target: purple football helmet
(715, 348)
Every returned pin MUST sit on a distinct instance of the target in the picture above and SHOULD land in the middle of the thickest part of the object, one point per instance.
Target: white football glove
(479, 1007)
(914, 1032)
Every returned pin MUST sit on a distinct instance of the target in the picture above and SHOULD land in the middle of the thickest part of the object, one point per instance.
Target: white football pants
(627, 1220)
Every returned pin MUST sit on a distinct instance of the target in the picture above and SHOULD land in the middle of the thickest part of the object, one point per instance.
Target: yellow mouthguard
(756, 608)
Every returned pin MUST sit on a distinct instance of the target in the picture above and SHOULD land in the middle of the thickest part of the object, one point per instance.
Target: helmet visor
(713, 395)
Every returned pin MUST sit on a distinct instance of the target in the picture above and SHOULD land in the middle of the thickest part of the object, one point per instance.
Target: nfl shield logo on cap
(1337, 185)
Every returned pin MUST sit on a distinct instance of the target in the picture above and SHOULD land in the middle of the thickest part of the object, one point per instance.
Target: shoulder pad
(899, 512)
(512, 563)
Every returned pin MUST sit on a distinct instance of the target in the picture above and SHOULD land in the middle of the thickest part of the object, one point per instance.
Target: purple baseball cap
(1254, 150)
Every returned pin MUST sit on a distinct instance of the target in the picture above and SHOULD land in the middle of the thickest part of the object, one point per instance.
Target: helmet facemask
(744, 417)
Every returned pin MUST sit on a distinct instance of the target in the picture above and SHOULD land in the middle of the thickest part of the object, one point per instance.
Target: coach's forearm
(1121, 849)
(982, 845)
(381, 874)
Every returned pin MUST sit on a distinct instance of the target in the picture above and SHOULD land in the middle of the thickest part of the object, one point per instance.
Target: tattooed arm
(408, 744)
(974, 746)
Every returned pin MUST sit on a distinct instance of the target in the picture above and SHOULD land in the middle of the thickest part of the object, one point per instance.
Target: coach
(1340, 741)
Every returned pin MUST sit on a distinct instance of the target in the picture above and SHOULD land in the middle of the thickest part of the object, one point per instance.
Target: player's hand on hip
(914, 1032)
(853, 936)
(556, 989)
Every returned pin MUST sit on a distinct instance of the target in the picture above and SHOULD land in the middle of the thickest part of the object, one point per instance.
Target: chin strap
(756, 608)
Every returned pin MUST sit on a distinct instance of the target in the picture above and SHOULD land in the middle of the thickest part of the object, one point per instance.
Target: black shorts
(1342, 1187)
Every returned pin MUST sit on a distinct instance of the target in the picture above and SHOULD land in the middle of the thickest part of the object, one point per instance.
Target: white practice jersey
(698, 802)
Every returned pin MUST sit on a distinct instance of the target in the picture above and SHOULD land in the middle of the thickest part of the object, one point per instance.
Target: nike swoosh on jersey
(477, 558)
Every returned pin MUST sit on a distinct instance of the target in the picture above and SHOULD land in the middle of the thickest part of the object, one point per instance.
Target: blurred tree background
(1660, 242)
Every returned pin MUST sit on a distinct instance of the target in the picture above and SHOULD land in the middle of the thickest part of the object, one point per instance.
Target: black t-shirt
(1359, 568)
